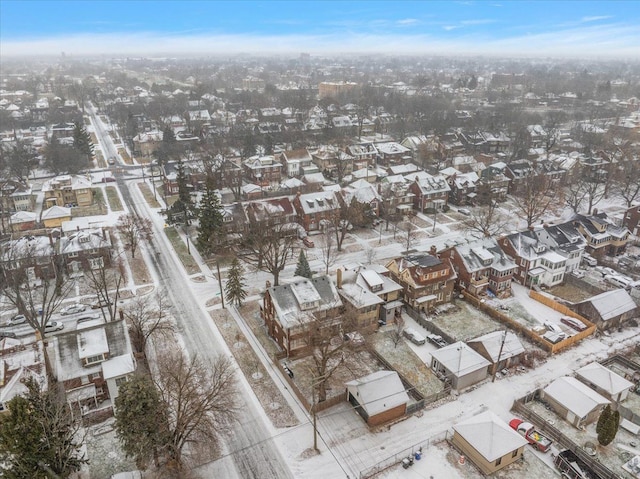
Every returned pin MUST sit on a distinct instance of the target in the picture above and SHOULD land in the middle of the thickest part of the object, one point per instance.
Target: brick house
(632, 220)
(392, 153)
(288, 310)
(268, 213)
(332, 161)
(314, 209)
(146, 143)
(85, 250)
(426, 279)
(430, 192)
(482, 265)
(67, 190)
(263, 171)
(603, 237)
(32, 255)
(82, 356)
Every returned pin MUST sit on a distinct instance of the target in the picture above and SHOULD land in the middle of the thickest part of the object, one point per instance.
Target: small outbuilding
(605, 382)
(460, 365)
(574, 401)
(501, 348)
(379, 397)
(610, 309)
(488, 442)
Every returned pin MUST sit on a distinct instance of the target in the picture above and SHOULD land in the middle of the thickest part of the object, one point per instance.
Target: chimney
(339, 278)
(595, 211)
(50, 239)
(433, 251)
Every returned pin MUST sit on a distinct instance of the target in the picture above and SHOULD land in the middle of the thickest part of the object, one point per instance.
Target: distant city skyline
(600, 29)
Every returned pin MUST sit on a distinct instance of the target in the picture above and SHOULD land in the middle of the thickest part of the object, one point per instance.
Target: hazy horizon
(603, 30)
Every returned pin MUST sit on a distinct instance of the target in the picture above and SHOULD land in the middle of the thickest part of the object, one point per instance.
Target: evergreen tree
(303, 269)
(64, 159)
(82, 140)
(140, 420)
(38, 436)
(183, 208)
(607, 426)
(210, 220)
(235, 289)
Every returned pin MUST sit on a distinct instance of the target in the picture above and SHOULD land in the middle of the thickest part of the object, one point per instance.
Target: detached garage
(379, 397)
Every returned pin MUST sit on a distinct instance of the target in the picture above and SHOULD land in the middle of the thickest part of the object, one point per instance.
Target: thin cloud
(478, 21)
(408, 21)
(604, 41)
(448, 28)
(595, 18)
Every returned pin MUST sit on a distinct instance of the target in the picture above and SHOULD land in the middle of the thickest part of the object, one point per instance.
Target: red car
(573, 323)
(307, 242)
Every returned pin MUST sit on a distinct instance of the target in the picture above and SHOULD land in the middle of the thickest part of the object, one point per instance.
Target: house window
(95, 376)
(73, 254)
(93, 359)
(96, 263)
(120, 381)
(514, 453)
(498, 461)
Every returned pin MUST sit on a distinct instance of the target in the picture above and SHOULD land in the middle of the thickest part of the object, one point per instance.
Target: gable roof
(460, 359)
(577, 397)
(611, 304)
(490, 436)
(604, 378)
(379, 391)
(493, 344)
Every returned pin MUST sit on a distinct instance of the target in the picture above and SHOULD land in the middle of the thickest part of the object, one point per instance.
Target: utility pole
(495, 369)
(220, 284)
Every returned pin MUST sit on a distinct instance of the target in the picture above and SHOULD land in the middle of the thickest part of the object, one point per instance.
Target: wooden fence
(561, 439)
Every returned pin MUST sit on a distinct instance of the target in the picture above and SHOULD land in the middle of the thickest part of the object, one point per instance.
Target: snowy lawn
(114, 200)
(103, 449)
(139, 268)
(464, 322)
(407, 363)
(148, 195)
(569, 293)
(272, 401)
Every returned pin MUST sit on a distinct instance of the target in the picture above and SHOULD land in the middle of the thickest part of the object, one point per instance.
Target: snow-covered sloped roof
(489, 435)
(92, 342)
(460, 359)
(604, 378)
(378, 392)
(56, 212)
(575, 396)
(118, 366)
(492, 343)
(611, 304)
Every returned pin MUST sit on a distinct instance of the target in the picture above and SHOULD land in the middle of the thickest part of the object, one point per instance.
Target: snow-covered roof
(92, 342)
(460, 359)
(604, 378)
(318, 202)
(56, 212)
(23, 217)
(118, 366)
(378, 392)
(492, 343)
(611, 304)
(490, 436)
(575, 396)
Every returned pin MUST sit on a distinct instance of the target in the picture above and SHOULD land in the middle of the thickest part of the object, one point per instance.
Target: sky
(602, 29)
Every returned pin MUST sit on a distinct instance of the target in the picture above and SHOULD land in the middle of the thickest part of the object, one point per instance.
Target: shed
(501, 348)
(609, 309)
(488, 442)
(604, 381)
(459, 364)
(574, 401)
(379, 397)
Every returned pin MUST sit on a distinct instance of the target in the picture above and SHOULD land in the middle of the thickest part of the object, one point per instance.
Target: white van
(619, 281)
(414, 336)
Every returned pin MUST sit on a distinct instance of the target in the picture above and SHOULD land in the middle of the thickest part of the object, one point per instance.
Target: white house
(604, 381)
(574, 401)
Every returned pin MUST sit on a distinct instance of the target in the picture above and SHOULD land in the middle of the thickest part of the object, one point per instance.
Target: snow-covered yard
(463, 322)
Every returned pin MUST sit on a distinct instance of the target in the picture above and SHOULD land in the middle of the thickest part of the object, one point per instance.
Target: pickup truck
(528, 431)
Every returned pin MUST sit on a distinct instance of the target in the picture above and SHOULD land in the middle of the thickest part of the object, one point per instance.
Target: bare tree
(398, 329)
(133, 229)
(268, 249)
(626, 181)
(37, 299)
(328, 249)
(106, 283)
(534, 198)
(410, 235)
(146, 317)
(486, 220)
(200, 399)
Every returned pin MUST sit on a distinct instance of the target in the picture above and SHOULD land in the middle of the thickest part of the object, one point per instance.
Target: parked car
(73, 309)
(414, 336)
(552, 328)
(108, 179)
(573, 323)
(437, 340)
(7, 334)
(111, 161)
(355, 338)
(53, 326)
(554, 338)
(464, 211)
(577, 273)
(307, 242)
(101, 304)
(618, 281)
(17, 319)
(589, 260)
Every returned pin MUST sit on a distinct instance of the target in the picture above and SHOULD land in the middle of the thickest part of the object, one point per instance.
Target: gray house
(607, 310)
(574, 401)
(460, 365)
